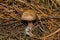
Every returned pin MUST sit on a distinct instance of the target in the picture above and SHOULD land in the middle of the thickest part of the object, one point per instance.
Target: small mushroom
(29, 16)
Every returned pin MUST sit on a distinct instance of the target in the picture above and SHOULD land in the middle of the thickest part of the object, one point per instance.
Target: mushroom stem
(28, 29)
(30, 24)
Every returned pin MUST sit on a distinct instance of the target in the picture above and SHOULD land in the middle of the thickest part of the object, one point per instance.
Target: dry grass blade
(54, 4)
(53, 33)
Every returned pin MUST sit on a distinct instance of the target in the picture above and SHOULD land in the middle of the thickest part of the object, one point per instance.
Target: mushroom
(29, 16)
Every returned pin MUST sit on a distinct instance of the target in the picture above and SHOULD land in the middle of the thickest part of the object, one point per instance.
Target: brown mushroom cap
(29, 15)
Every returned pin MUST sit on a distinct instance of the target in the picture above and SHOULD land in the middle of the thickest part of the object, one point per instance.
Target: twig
(1, 7)
(53, 33)
(17, 9)
(39, 10)
(54, 4)
(49, 10)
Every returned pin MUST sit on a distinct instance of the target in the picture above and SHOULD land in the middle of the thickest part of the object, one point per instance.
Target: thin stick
(54, 4)
(53, 33)
(39, 9)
